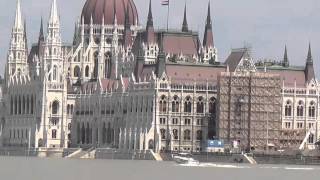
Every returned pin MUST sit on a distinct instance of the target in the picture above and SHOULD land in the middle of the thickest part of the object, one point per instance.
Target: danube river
(22, 168)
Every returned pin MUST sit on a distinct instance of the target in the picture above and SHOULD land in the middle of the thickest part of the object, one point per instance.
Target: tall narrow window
(188, 105)
(163, 104)
(212, 105)
(163, 133)
(54, 134)
(187, 135)
(200, 105)
(175, 134)
(76, 72)
(54, 73)
(87, 71)
(300, 109)
(175, 104)
(312, 110)
(288, 109)
(55, 107)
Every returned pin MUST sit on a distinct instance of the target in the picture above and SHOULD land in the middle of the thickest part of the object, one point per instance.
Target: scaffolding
(249, 110)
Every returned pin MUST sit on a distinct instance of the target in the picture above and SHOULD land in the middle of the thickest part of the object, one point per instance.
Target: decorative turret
(209, 52)
(41, 40)
(150, 28)
(17, 55)
(53, 52)
(285, 58)
(185, 22)
(309, 70)
(208, 34)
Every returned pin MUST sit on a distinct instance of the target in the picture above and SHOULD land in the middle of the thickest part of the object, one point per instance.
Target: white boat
(185, 158)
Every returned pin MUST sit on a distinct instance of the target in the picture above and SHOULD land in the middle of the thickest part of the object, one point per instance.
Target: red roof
(176, 43)
(107, 8)
(187, 73)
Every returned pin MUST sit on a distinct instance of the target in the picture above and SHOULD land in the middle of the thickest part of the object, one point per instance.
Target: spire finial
(18, 17)
(185, 22)
(209, 22)
(208, 34)
(54, 17)
(309, 58)
(150, 17)
(285, 57)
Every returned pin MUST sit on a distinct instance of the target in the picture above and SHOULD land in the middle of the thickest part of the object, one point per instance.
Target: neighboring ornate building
(124, 86)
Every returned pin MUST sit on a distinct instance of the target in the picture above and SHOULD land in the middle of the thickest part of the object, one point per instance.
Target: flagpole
(168, 15)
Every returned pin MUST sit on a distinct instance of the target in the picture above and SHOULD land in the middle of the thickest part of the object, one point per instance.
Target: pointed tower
(208, 33)
(127, 29)
(285, 62)
(53, 64)
(185, 22)
(55, 87)
(209, 52)
(309, 70)
(17, 55)
(150, 28)
(41, 41)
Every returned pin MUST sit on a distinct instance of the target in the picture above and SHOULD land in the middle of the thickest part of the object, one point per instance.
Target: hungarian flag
(165, 3)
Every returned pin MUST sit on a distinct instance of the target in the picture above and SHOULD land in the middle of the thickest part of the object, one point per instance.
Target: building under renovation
(125, 86)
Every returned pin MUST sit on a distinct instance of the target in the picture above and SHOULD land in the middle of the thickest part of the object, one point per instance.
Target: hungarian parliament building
(125, 86)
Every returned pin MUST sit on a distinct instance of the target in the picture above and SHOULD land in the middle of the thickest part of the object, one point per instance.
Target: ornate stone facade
(119, 85)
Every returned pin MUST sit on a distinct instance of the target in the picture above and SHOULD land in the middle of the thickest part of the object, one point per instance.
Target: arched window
(199, 135)
(175, 134)
(212, 105)
(87, 71)
(107, 65)
(312, 109)
(288, 109)
(54, 73)
(200, 105)
(163, 133)
(96, 64)
(188, 105)
(300, 109)
(54, 134)
(163, 104)
(187, 135)
(175, 104)
(55, 107)
(76, 71)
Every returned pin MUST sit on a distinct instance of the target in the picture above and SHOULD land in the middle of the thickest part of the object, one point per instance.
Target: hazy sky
(266, 25)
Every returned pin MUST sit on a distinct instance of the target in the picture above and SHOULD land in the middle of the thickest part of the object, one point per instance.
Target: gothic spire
(54, 17)
(285, 57)
(208, 34)
(309, 70)
(41, 34)
(18, 18)
(309, 58)
(150, 17)
(150, 29)
(185, 22)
